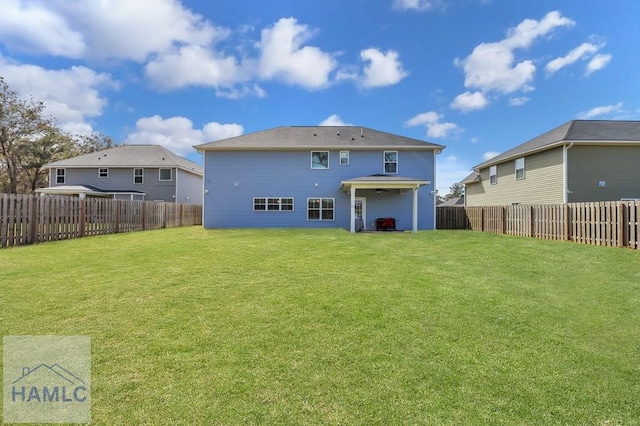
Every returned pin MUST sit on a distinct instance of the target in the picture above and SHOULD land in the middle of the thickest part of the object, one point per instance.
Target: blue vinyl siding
(234, 178)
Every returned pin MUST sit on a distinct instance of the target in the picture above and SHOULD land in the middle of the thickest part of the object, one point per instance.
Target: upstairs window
(391, 162)
(138, 176)
(319, 159)
(520, 168)
(61, 175)
(165, 174)
(493, 175)
(103, 173)
(344, 158)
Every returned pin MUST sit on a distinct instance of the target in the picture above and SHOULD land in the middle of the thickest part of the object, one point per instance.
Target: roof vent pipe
(338, 132)
(361, 132)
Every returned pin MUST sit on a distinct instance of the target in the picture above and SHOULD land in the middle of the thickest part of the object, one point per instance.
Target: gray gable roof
(129, 156)
(318, 137)
(453, 202)
(597, 132)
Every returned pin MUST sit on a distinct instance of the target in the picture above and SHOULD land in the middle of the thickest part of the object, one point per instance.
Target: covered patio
(84, 191)
(383, 182)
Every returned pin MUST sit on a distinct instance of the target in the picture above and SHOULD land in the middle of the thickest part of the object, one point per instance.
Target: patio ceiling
(382, 182)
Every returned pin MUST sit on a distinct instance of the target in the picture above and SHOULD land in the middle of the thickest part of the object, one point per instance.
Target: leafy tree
(456, 190)
(85, 144)
(20, 123)
(29, 140)
(51, 145)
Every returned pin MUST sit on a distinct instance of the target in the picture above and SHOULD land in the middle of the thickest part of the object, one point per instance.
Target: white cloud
(239, 92)
(33, 28)
(180, 48)
(519, 100)
(598, 62)
(177, 133)
(333, 120)
(70, 95)
(283, 57)
(489, 155)
(193, 65)
(418, 5)
(121, 29)
(383, 69)
(435, 128)
(468, 101)
(215, 131)
(492, 67)
(601, 110)
(585, 50)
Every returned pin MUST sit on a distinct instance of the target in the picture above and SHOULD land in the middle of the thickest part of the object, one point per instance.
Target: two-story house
(579, 161)
(128, 172)
(319, 177)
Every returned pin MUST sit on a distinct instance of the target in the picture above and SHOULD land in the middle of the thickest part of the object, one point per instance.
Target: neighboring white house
(579, 161)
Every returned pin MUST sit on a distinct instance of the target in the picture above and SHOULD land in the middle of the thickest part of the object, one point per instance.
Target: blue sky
(479, 76)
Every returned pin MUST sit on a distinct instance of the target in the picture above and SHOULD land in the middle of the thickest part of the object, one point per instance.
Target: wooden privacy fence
(28, 219)
(611, 223)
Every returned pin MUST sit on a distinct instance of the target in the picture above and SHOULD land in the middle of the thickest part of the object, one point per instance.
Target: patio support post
(352, 227)
(415, 210)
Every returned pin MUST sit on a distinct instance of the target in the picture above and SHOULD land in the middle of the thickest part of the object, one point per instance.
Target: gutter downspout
(435, 190)
(565, 178)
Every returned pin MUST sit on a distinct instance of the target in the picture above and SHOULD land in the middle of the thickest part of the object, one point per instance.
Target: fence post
(32, 219)
(145, 205)
(83, 216)
(164, 215)
(622, 224)
(117, 218)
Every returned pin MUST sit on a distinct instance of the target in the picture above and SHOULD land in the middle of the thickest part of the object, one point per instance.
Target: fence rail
(611, 223)
(28, 219)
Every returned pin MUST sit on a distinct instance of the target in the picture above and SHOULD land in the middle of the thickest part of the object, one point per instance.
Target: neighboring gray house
(320, 177)
(452, 202)
(128, 172)
(579, 161)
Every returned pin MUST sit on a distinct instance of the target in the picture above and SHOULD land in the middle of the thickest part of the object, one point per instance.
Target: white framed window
(103, 173)
(319, 159)
(520, 168)
(273, 204)
(138, 176)
(344, 158)
(164, 174)
(61, 175)
(390, 162)
(320, 209)
(493, 175)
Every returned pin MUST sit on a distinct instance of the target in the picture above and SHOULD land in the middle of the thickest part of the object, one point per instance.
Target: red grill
(385, 224)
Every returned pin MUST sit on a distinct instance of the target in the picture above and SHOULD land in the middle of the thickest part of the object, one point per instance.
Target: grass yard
(192, 326)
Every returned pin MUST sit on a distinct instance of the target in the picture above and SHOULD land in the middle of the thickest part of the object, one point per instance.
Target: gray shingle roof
(321, 137)
(472, 178)
(453, 202)
(130, 156)
(577, 131)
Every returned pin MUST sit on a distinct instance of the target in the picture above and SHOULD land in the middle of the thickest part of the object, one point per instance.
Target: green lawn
(193, 326)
